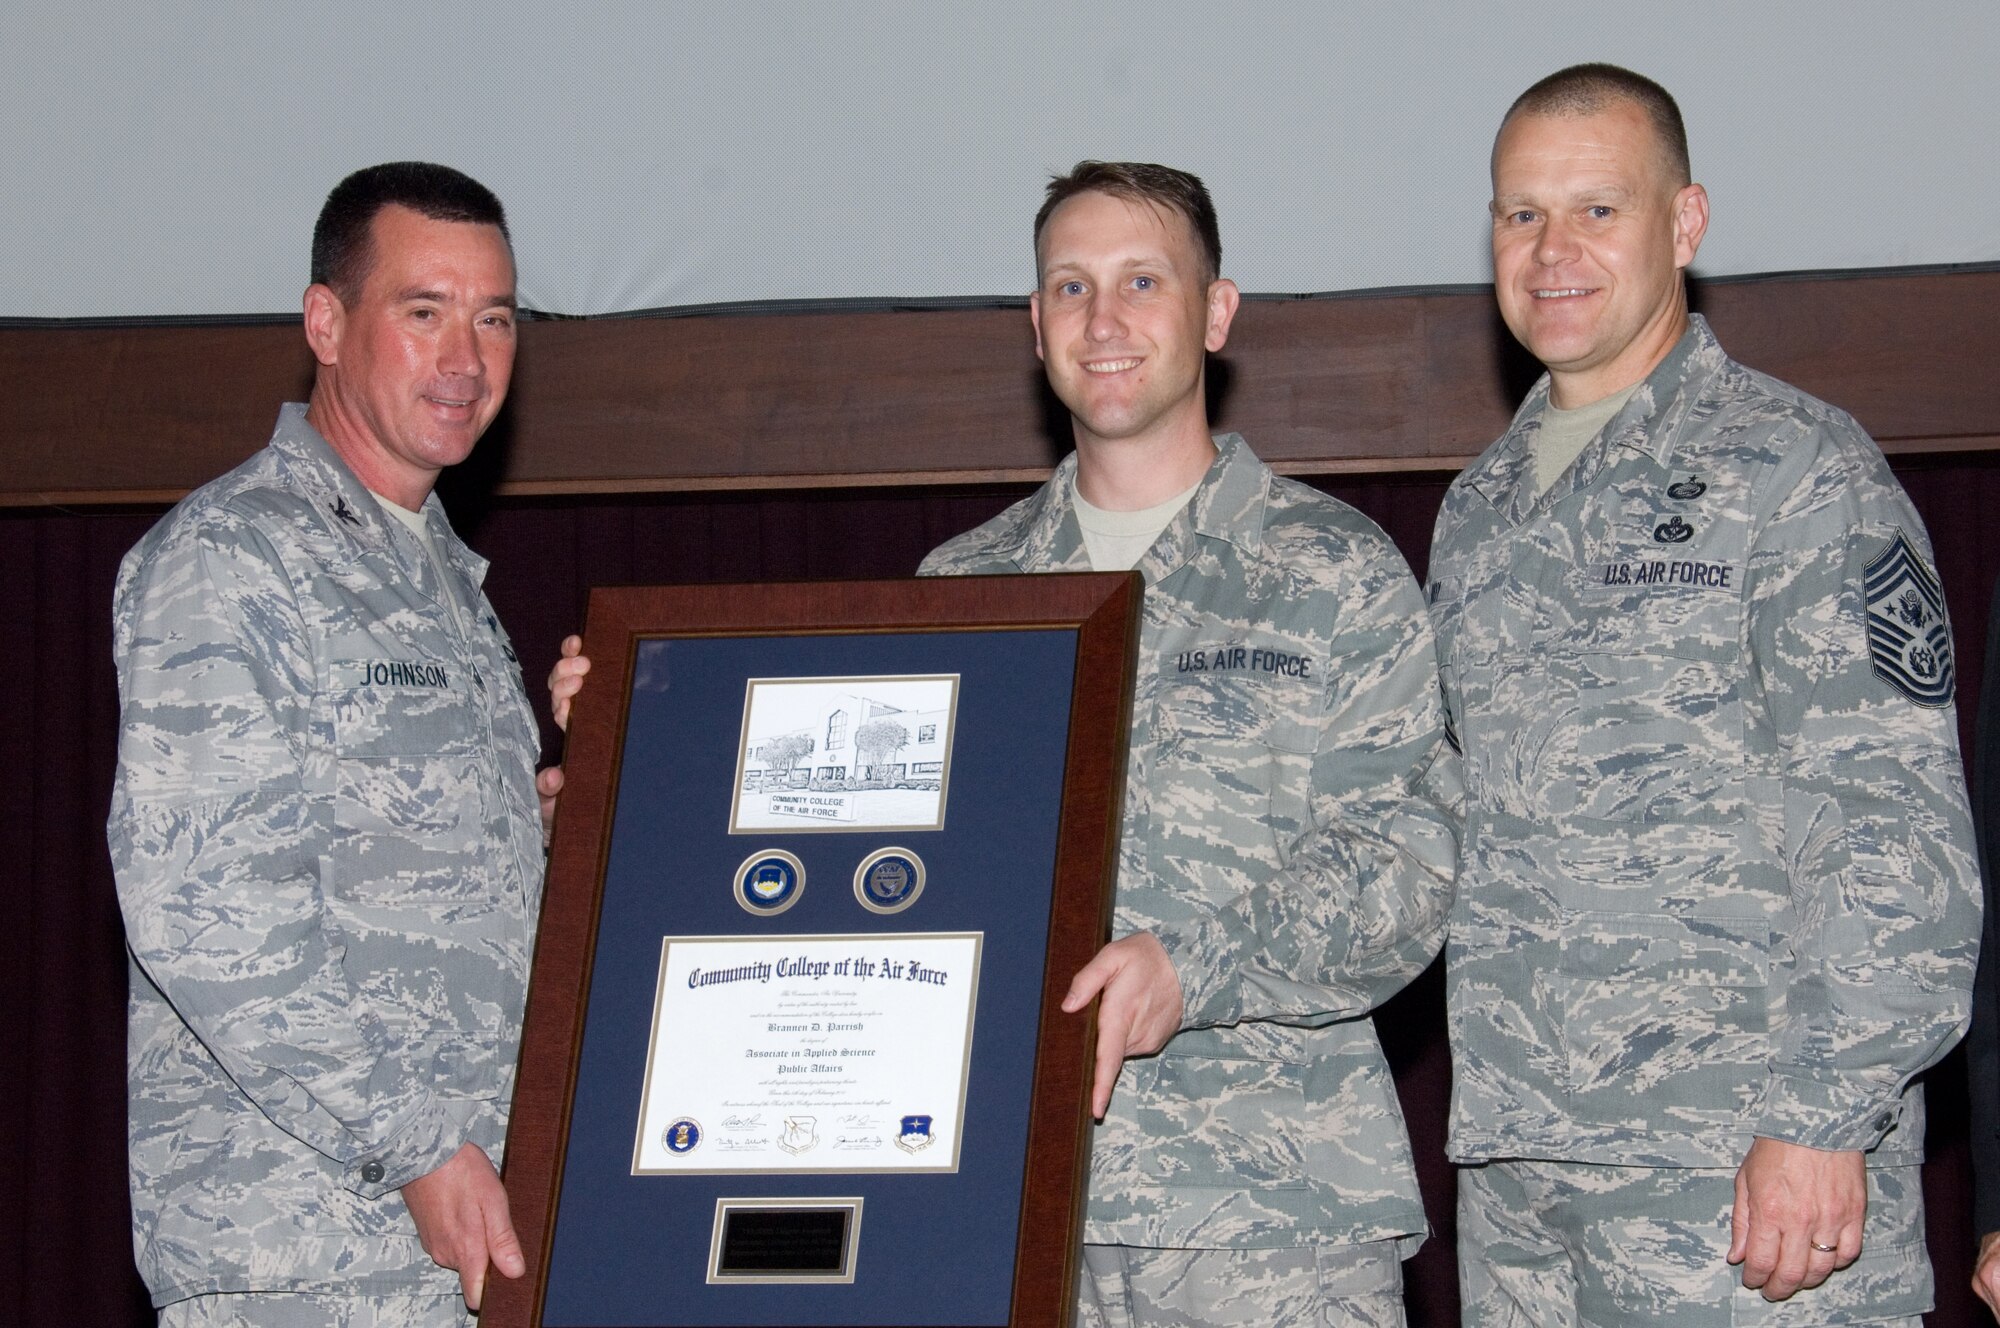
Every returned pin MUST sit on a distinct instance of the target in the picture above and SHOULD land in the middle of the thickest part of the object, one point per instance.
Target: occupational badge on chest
(1673, 531)
(1909, 640)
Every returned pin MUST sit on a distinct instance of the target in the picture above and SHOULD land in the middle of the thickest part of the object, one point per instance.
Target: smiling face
(1124, 317)
(1590, 234)
(415, 367)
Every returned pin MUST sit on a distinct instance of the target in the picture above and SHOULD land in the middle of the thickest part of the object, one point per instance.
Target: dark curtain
(64, 1228)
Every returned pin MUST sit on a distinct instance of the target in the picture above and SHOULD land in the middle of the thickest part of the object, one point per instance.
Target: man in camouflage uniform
(1287, 854)
(1283, 869)
(1716, 901)
(324, 826)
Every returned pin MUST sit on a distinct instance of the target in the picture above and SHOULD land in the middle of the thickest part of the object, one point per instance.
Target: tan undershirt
(1116, 541)
(1565, 433)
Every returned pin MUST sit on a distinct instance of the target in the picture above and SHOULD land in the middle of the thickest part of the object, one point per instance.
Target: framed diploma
(827, 858)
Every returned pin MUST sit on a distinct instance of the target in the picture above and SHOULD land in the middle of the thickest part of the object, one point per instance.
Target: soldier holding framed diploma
(1286, 856)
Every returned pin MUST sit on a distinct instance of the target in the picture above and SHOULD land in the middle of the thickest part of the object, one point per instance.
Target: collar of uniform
(344, 502)
(338, 490)
(464, 561)
(1229, 505)
(1500, 476)
(1649, 423)
(1051, 540)
(1670, 394)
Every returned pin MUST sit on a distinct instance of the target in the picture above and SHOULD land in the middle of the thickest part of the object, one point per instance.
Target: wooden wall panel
(1329, 385)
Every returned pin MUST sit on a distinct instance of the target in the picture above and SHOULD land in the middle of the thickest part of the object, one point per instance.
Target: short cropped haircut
(1164, 187)
(1589, 89)
(342, 249)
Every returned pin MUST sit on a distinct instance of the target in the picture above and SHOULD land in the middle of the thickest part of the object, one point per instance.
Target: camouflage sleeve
(216, 850)
(1359, 907)
(1876, 833)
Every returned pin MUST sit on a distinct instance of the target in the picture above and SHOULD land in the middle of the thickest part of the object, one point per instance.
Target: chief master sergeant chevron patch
(1909, 641)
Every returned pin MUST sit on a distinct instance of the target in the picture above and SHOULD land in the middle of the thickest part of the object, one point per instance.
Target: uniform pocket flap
(1289, 735)
(1691, 950)
(412, 720)
(1221, 710)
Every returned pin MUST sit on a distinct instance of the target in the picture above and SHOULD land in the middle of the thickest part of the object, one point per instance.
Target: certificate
(827, 858)
(808, 1054)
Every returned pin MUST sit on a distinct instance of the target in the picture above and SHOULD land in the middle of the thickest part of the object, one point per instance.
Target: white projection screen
(168, 160)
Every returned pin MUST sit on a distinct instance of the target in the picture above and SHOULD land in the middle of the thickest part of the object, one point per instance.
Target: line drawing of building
(856, 741)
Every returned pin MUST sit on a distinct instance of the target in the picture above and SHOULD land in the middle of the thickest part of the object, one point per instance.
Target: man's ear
(1690, 222)
(326, 319)
(1223, 298)
(1035, 317)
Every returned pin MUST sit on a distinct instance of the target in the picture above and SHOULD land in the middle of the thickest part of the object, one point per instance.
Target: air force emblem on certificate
(683, 1136)
(1909, 639)
(915, 1135)
(799, 1134)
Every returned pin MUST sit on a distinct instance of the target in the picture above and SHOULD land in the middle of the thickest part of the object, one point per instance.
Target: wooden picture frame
(1038, 662)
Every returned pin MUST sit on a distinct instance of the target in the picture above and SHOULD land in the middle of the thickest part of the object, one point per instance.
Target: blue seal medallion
(889, 880)
(769, 882)
(683, 1136)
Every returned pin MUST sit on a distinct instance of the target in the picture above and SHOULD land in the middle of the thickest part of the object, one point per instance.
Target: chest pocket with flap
(409, 794)
(1658, 628)
(1231, 778)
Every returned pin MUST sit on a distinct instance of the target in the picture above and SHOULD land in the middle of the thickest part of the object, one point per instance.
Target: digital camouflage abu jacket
(1281, 841)
(325, 840)
(1718, 875)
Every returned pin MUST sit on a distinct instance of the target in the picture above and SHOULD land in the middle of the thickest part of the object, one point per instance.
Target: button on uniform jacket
(1717, 877)
(1284, 838)
(326, 846)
